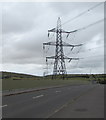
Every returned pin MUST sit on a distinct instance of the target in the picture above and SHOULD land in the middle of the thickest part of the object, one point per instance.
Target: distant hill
(16, 76)
(19, 76)
(11, 80)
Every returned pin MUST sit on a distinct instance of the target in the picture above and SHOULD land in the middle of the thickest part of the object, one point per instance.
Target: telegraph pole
(59, 58)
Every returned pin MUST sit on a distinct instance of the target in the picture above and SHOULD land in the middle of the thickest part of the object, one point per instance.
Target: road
(54, 102)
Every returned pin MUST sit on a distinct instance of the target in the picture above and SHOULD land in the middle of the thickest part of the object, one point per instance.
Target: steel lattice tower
(59, 63)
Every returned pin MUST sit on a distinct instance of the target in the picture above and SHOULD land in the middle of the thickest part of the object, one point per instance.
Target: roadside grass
(9, 84)
(12, 81)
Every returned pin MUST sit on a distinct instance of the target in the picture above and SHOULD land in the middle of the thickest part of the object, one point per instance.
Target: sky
(25, 28)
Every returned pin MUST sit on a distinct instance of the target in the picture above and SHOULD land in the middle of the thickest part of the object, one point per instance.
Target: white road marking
(3, 106)
(58, 91)
(38, 96)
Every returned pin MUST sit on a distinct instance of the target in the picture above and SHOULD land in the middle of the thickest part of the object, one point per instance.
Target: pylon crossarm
(75, 58)
(78, 45)
(64, 44)
(69, 31)
(71, 58)
(69, 45)
(52, 57)
(50, 43)
(62, 31)
(52, 30)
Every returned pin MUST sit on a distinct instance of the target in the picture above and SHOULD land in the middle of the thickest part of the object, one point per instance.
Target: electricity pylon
(59, 63)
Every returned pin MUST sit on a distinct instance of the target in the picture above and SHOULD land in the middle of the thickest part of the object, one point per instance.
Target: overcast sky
(25, 26)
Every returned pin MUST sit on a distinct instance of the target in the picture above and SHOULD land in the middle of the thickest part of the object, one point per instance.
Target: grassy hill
(12, 80)
(17, 76)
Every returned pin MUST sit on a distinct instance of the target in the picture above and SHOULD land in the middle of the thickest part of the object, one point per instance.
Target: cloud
(33, 69)
(24, 29)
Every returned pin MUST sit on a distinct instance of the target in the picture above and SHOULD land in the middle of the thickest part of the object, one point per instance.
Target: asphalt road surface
(65, 102)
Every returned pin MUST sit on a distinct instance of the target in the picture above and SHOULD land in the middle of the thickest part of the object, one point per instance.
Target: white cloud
(25, 28)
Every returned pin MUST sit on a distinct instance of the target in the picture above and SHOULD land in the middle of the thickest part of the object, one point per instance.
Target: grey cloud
(23, 51)
(25, 28)
(67, 7)
(20, 17)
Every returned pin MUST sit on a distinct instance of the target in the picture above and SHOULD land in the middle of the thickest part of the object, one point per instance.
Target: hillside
(12, 80)
(20, 76)
(17, 76)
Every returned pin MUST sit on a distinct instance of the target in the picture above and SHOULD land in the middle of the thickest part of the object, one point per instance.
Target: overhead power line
(88, 10)
(59, 63)
(82, 51)
(90, 49)
(83, 28)
(91, 24)
(76, 65)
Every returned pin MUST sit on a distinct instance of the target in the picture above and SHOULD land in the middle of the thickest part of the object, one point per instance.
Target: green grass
(16, 81)
(31, 83)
